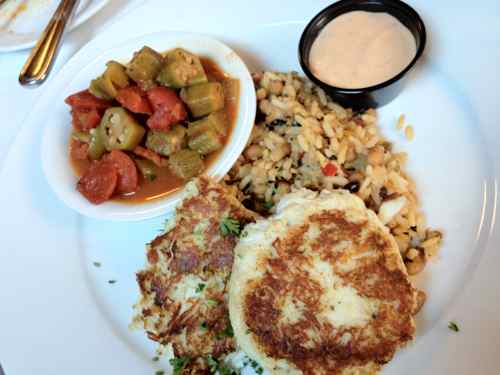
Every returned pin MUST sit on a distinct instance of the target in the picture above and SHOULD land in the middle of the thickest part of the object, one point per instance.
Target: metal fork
(40, 61)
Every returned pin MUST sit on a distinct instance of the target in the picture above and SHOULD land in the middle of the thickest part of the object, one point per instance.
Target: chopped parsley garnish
(453, 326)
(111, 281)
(226, 370)
(244, 234)
(97, 264)
(227, 332)
(160, 372)
(155, 359)
(258, 369)
(212, 302)
(213, 364)
(203, 326)
(179, 363)
(216, 366)
(268, 205)
(229, 226)
(200, 288)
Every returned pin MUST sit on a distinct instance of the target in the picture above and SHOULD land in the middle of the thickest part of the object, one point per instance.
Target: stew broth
(166, 182)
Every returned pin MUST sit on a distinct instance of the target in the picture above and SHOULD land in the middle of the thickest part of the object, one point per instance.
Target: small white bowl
(55, 142)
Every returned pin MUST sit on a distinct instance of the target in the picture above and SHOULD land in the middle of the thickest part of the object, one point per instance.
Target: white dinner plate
(22, 21)
(58, 312)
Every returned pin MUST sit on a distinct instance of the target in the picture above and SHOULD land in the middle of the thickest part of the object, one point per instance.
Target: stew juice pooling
(361, 49)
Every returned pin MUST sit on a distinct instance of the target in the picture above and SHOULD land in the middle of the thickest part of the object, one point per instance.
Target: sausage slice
(128, 179)
(98, 183)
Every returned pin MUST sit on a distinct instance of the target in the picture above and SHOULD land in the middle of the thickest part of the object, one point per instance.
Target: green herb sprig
(200, 287)
(217, 366)
(258, 369)
(179, 364)
(203, 326)
(229, 226)
(227, 332)
(268, 205)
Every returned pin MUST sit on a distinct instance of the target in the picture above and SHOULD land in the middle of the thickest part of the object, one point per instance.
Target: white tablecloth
(477, 309)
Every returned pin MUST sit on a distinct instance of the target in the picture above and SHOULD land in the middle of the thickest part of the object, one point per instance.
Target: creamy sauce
(361, 49)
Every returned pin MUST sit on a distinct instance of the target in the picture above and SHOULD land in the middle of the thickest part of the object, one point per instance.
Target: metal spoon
(40, 61)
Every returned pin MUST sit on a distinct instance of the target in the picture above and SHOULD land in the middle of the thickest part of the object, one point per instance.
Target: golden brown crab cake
(185, 282)
(320, 288)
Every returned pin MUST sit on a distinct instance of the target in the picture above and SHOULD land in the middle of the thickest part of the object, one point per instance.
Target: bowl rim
(352, 5)
(76, 69)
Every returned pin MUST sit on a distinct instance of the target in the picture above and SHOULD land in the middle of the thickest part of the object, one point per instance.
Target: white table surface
(478, 306)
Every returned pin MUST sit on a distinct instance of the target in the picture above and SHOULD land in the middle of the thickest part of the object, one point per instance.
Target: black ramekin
(382, 93)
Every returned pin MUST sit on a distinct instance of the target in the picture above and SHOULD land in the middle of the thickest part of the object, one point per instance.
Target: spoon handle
(40, 61)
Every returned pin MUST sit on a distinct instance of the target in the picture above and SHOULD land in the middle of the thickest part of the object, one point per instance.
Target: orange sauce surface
(166, 182)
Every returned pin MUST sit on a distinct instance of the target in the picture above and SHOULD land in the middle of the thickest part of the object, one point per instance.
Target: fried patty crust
(320, 288)
(184, 285)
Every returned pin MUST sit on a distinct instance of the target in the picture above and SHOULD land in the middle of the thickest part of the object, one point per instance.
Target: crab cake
(320, 288)
(185, 283)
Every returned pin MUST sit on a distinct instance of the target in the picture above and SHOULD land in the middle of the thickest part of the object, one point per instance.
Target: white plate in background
(58, 309)
(22, 21)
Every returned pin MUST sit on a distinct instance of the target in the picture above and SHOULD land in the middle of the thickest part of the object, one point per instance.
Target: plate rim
(91, 9)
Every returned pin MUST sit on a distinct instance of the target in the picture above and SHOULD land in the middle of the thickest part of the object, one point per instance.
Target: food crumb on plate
(453, 326)
(401, 122)
(409, 133)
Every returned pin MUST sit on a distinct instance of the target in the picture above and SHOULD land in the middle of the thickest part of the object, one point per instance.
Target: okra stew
(142, 129)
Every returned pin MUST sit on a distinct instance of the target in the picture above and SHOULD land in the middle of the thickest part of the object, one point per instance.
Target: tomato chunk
(98, 183)
(85, 100)
(161, 120)
(85, 119)
(150, 155)
(134, 99)
(128, 179)
(168, 108)
(329, 169)
(163, 97)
